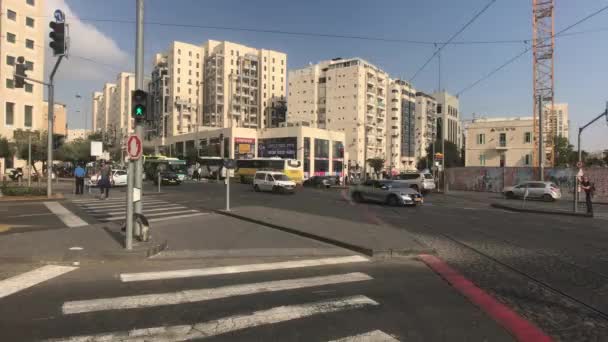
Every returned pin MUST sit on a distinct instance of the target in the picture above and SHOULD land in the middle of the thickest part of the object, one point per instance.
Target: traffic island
(374, 240)
(538, 210)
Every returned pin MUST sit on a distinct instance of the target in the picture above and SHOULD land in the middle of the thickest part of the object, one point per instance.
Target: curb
(390, 253)
(539, 211)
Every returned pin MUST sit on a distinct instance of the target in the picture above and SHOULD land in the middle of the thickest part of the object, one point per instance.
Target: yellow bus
(246, 168)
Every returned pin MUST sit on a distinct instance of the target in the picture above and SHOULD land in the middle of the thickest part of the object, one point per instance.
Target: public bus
(152, 163)
(246, 168)
(210, 167)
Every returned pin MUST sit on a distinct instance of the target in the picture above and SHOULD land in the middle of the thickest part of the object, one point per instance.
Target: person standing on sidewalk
(588, 187)
(104, 180)
(79, 176)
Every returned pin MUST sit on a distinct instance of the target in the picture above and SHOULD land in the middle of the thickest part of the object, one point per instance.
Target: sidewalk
(370, 239)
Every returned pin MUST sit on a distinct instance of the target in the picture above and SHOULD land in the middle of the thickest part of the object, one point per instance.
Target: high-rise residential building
(448, 116)
(501, 142)
(22, 28)
(158, 89)
(244, 86)
(426, 123)
(218, 84)
(96, 109)
(60, 123)
(557, 122)
(352, 95)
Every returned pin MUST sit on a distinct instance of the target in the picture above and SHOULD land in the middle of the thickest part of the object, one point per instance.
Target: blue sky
(580, 70)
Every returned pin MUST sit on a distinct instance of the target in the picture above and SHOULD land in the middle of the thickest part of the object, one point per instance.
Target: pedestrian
(589, 188)
(199, 173)
(79, 176)
(104, 180)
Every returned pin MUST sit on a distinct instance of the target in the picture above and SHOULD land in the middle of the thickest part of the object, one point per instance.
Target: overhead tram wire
(562, 32)
(477, 15)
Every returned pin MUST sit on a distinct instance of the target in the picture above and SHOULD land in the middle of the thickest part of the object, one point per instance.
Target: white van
(273, 181)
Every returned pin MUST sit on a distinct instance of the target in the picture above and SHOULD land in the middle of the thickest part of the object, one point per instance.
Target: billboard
(285, 148)
(244, 148)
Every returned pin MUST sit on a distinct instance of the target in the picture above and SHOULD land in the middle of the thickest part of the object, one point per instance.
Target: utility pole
(541, 152)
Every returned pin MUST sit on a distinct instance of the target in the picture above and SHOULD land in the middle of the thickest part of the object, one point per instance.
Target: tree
(377, 164)
(39, 143)
(6, 149)
(453, 156)
(565, 155)
(595, 161)
(77, 150)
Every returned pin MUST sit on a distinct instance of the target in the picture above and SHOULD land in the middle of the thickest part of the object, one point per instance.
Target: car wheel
(256, 188)
(357, 197)
(548, 198)
(392, 200)
(275, 189)
(510, 195)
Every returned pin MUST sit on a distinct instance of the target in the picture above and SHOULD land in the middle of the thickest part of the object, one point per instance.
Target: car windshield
(428, 176)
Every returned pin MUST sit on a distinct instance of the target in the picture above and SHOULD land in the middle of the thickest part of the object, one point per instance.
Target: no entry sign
(134, 147)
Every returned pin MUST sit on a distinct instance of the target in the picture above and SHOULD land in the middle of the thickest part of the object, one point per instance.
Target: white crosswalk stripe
(232, 322)
(26, 280)
(155, 209)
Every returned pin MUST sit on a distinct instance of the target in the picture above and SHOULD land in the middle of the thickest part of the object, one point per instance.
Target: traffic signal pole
(51, 113)
(139, 84)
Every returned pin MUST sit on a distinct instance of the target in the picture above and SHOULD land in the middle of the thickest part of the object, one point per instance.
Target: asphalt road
(549, 269)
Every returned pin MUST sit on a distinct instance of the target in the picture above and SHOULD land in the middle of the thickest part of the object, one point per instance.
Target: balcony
(502, 145)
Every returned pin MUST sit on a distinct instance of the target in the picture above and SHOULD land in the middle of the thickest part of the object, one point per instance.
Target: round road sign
(579, 164)
(134, 147)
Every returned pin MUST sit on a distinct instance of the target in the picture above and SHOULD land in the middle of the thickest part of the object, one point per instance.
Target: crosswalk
(234, 320)
(114, 209)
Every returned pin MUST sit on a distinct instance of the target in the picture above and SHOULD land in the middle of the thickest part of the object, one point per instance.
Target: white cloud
(88, 42)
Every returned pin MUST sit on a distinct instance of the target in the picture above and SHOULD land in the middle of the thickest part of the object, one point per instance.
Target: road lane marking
(23, 281)
(193, 296)
(175, 217)
(201, 272)
(231, 323)
(65, 215)
(122, 217)
(32, 215)
(522, 329)
(122, 212)
(121, 204)
(372, 336)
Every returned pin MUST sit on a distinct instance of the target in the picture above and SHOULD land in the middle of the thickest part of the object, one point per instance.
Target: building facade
(448, 116)
(426, 123)
(22, 28)
(77, 133)
(501, 142)
(352, 96)
(557, 121)
(60, 124)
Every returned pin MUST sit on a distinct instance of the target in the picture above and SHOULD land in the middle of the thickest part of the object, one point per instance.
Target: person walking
(79, 174)
(104, 180)
(588, 188)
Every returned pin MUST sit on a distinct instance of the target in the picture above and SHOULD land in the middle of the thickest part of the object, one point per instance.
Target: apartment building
(77, 133)
(22, 29)
(557, 121)
(426, 121)
(244, 86)
(401, 134)
(96, 107)
(448, 112)
(60, 123)
(158, 90)
(500, 142)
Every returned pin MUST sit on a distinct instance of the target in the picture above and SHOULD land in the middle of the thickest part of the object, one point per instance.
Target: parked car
(420, 181)
(273, 181)
(322, 181)
(168, 177)
(546, 191)
(119, 178)
(391, 192)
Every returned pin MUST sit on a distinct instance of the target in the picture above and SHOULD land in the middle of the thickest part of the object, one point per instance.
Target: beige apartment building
(22, 31)
(352, 96)
(97, 110)
(77, 133)
(557, 121)
(448, 112)
(60, 123)
(501, 142)
(426, 120)
(217, 84)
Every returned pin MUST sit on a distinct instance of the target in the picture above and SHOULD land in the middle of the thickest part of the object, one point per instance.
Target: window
(29, 43)
(9, 114)
(439, 108)
(482, 160)
(11, 15)
(527, 159)
(190, 53)
(502, 139)
(527, 137)
(178, 70)
(481, 139)
(29, 21)
(179, 61)
(179, 51)
(10, 37)
(189, 63)
(197, 65)
(10, 83)
(29, 87)
(29, 65)
(10, 60)
(31, 2)
(27, 116)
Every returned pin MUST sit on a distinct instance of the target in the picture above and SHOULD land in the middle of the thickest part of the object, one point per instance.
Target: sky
(100, 49)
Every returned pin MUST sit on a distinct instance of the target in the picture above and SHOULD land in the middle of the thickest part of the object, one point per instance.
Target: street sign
(579, 164)
(134, 147)
(59, 16)
(96, 149)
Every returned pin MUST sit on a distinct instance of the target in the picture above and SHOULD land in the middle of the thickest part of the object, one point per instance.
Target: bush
(22, 191)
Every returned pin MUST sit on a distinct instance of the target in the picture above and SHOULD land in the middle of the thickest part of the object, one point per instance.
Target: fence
(494, 179)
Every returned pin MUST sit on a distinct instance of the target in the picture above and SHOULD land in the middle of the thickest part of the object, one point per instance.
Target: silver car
(420, 181)
(546, 191)
(386, 191)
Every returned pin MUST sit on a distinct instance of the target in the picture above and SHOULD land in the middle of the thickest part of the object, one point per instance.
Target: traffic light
(57, 38)
(20, 69)
(138, 104)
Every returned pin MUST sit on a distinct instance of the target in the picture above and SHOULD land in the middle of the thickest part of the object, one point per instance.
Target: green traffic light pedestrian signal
(138, 104)
(139, 111)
